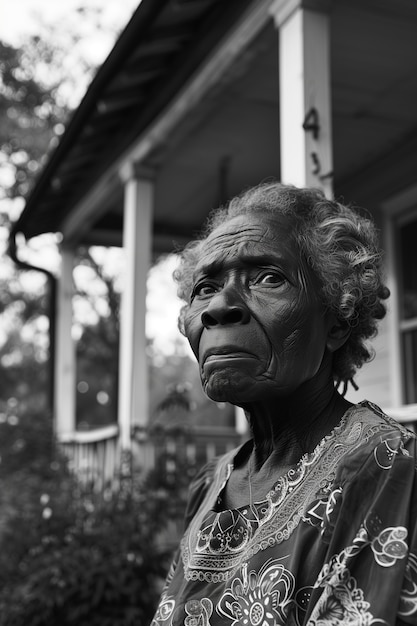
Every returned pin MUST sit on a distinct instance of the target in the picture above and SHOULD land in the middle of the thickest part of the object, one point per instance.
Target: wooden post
(65, 363)
(133, 372)
(305, 98)
(241, 423)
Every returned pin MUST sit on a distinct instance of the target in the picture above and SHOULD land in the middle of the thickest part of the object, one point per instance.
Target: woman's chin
(228, 386)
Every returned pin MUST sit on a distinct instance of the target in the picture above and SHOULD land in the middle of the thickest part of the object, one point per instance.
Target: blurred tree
(36, 99)
(31, 475)
(42, 80)
(23, 343)
(70, 556)
(32, 114)
(97, 346)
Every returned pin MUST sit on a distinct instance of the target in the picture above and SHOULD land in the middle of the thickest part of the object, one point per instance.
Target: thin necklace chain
(250, 481)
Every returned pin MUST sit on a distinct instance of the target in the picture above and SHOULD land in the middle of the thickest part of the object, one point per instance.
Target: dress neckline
(292, 475)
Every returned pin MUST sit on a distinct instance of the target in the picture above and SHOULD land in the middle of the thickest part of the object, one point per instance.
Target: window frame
(405, 325)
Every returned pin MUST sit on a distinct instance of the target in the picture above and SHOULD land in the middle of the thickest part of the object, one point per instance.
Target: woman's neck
(285, 428)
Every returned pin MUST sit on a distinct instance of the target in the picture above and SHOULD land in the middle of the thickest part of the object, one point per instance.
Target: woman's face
(255, 322)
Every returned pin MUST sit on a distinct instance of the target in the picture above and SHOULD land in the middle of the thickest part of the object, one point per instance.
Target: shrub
(107, 569)
(71, 557)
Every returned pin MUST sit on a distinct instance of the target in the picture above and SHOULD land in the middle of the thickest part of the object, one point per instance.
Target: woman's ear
(338, 334)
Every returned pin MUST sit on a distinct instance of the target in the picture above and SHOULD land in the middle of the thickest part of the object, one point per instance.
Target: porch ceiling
(231, 140)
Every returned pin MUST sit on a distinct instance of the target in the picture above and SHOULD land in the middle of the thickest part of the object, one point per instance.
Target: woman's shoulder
(376, 440)
(377, 423)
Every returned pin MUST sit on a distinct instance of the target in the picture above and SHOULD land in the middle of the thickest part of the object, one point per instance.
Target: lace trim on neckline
(291, 475)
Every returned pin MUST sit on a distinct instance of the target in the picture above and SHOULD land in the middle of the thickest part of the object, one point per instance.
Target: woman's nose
(224, 310)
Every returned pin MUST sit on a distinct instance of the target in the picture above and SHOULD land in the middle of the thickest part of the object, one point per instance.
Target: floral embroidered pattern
(301, 601)
(258, 598)
(165, 610)
(342, 604)
(390, 546)
(386, 451)
(198, 612)
(166, 606)
(225, 531)
(408, 597)
(342, 601)
(323, 512)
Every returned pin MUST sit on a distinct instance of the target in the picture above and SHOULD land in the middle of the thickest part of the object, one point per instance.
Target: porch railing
(95, 456)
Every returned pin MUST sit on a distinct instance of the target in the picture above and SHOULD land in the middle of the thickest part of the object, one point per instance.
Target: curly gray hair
(341, 247)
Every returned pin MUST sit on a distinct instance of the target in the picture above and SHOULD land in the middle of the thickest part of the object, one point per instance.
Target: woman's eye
(269, 278)
(203, 289)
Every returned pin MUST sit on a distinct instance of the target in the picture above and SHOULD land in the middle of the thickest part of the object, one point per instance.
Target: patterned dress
(334, 542)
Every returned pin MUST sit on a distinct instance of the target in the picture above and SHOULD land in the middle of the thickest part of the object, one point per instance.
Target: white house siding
(373, 379)
(379, 380)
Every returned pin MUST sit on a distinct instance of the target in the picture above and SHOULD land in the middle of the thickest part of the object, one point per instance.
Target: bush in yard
(102, 566)
(106, 570)
(70, 557)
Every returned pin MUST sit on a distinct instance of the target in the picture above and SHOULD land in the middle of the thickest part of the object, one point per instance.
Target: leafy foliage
(23, 344)
(97, 346)
(106, 569)
(30, 111)
(70, 556)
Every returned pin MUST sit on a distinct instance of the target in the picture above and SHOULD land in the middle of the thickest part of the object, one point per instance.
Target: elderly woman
(311, 521)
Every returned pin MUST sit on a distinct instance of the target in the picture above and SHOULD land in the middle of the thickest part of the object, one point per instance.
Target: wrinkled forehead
(249, 235)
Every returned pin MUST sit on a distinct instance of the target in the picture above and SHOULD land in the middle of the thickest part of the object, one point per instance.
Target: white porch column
(137, 232)
(65, 359)
(305, 95)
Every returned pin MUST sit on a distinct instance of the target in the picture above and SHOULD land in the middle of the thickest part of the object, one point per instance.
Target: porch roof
(230, 138)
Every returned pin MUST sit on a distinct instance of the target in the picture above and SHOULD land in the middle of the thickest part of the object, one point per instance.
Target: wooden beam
(133, 372)
(305, 98)
(78, 223)
(65, 363)
(393, 317)
(91, 436)
(103, 237)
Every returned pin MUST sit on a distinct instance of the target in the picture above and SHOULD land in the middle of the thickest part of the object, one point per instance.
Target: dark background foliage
(71, 556)
(68, 555)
